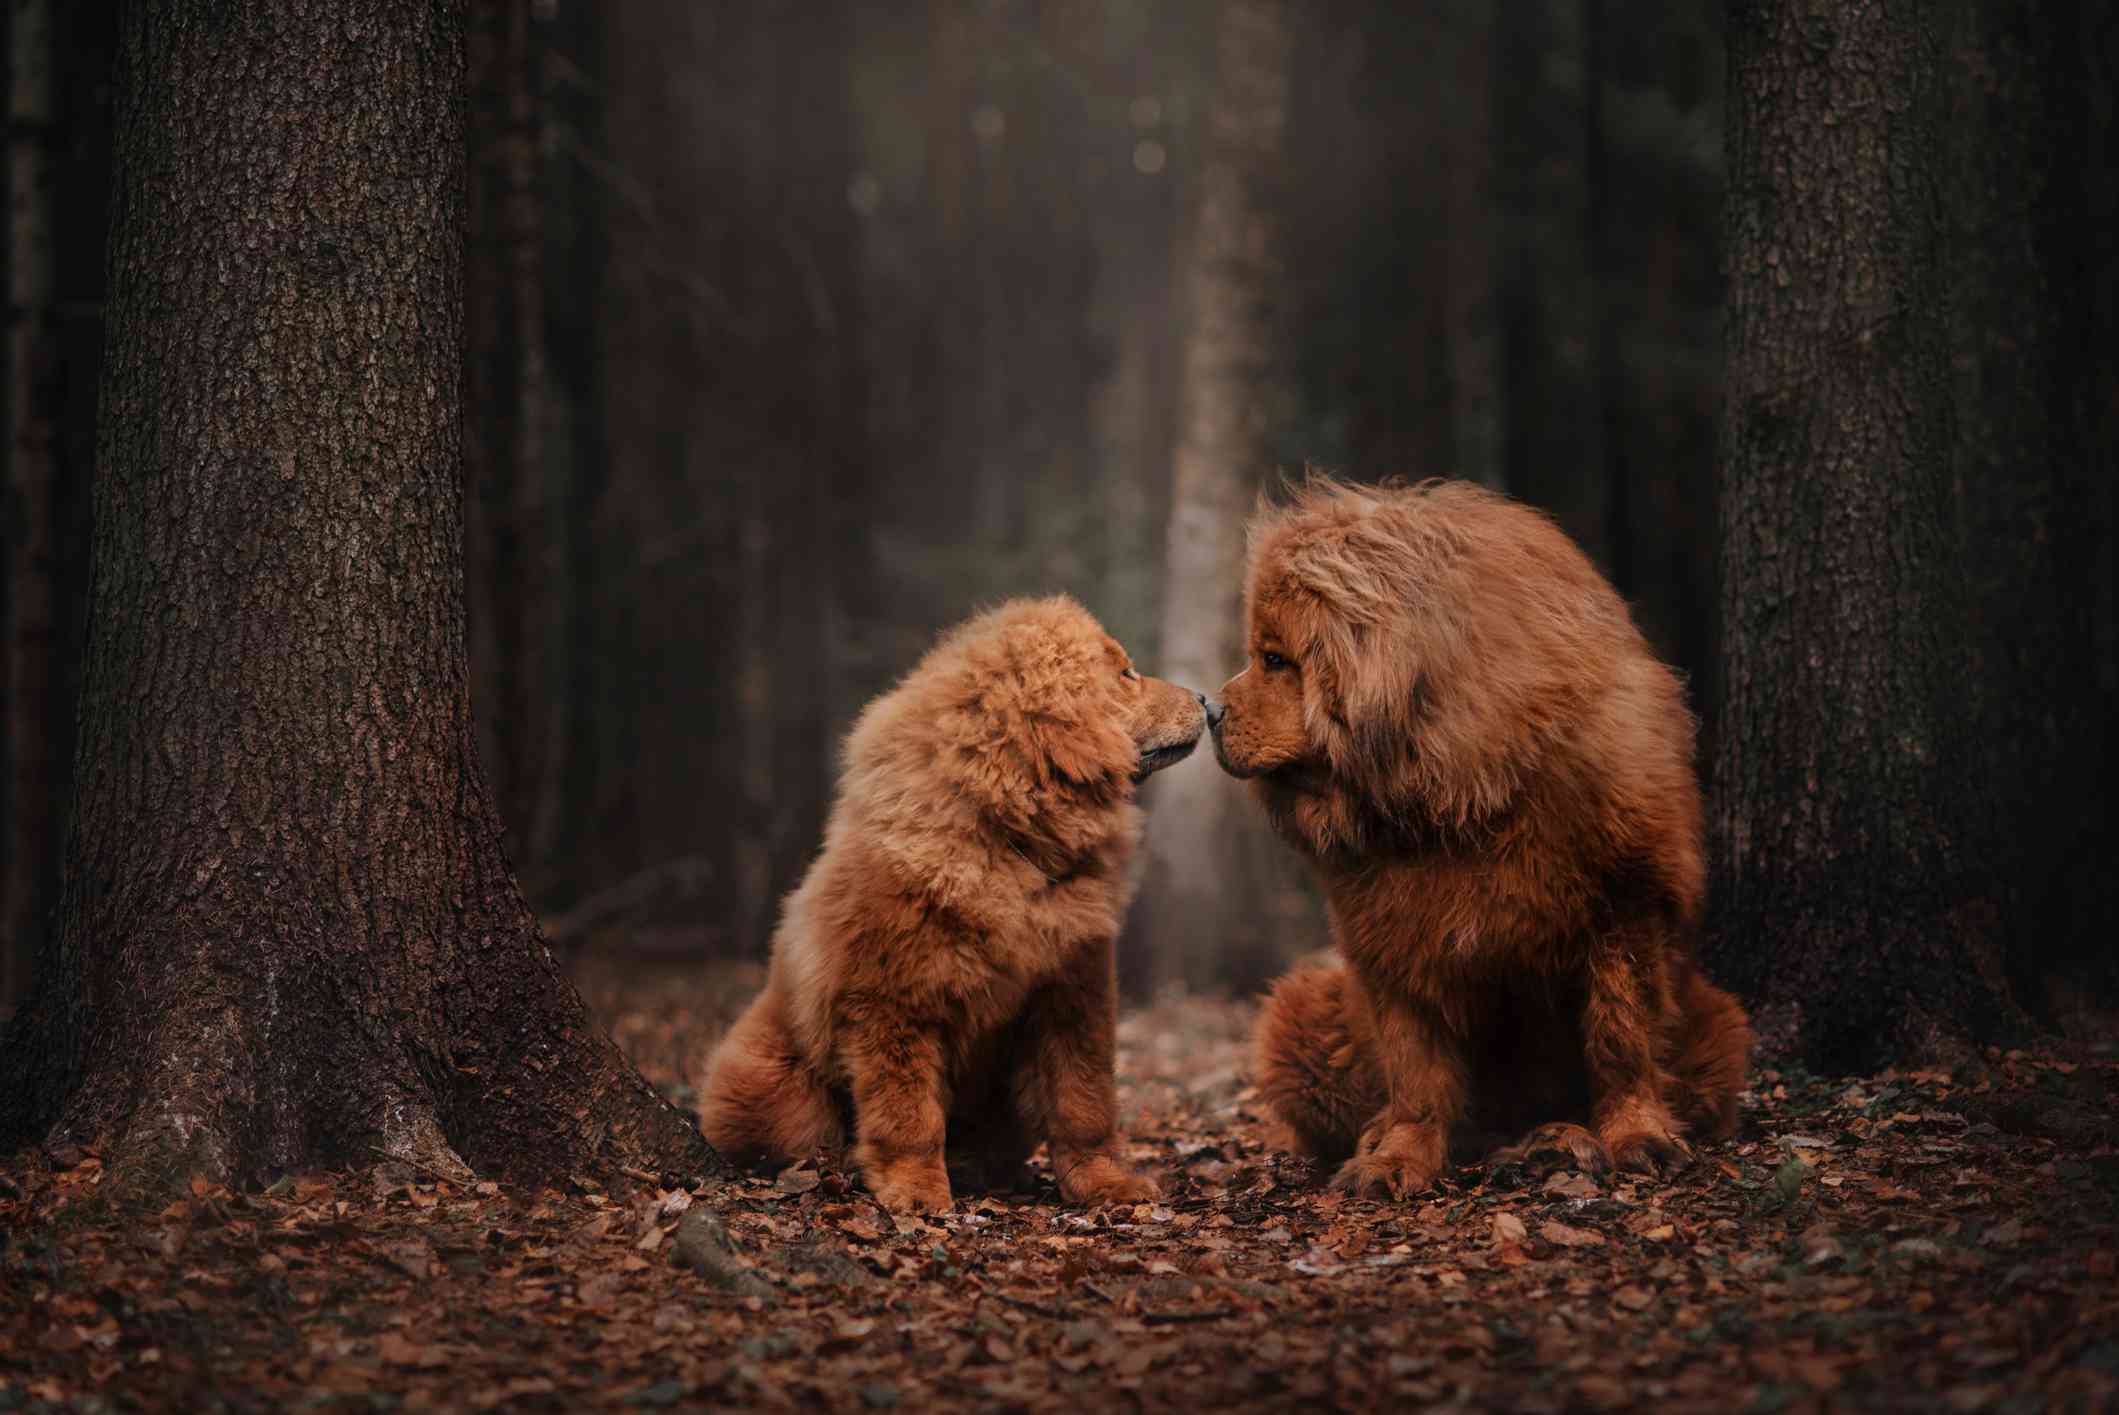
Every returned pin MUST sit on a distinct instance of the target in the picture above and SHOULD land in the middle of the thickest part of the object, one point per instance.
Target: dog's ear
(1444, 665)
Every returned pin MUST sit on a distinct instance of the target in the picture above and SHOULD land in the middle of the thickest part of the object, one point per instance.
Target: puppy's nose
(1213, 709)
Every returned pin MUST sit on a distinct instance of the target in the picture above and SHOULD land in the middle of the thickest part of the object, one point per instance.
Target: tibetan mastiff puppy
(941, 988)
(1451, 714)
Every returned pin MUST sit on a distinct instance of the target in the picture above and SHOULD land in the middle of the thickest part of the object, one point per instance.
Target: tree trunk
(1553, 453)
(27, 802)
(1478, 390)
(793, 270)
(2033, 479)
(1139, 73)
(575, 222)
(1653, 108)
(59, 162)
(1853, 904)
(1214, 866)
(734, 432)
(676, 485)
(1601, 271)
(513, 587)
(290, 935)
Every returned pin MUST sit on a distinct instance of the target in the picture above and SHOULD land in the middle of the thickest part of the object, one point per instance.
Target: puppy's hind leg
(1316, 1067)
(761, 1102)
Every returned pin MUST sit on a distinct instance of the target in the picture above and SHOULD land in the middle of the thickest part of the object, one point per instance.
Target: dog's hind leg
(761, 1100)
(1316, 1067)
(1712, 1051)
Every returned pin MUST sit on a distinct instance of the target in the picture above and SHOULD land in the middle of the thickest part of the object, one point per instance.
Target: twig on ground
(1171, 1319)
(1057, 1314)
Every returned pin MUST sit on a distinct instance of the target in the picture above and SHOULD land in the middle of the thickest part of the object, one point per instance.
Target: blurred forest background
(798, 330)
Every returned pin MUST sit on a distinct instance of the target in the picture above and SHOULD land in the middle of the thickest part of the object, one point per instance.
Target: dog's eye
(1130, 675)
(1272, 662)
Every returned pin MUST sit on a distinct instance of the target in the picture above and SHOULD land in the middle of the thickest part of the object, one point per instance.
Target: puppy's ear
(1082, 746)
(1043, 728)
(1075, 731)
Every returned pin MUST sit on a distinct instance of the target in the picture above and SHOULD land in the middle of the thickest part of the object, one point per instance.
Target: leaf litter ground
(1913, 1240)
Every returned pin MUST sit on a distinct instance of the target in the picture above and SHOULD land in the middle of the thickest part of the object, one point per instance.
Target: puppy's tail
(1317, 1071)
(1713, 1052)
(761, 1102)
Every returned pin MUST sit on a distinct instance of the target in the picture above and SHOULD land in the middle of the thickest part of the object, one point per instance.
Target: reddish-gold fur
(1451, 714)
(942, 980)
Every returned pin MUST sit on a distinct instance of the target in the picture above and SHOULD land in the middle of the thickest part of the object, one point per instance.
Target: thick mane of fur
(1454, 644)
(1008, 730)
(1456, 718)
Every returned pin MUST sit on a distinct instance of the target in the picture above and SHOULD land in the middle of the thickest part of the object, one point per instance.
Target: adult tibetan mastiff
(941, 985)
(1451, 714)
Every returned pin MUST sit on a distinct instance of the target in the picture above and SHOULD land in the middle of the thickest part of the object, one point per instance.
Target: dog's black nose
(1214, 709)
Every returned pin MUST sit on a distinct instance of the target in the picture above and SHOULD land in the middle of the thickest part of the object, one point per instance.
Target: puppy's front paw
(1394, 1162)
(1094, 1179)
(910, 1187)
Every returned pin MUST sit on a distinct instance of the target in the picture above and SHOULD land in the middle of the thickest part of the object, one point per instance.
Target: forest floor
(1911, 1240)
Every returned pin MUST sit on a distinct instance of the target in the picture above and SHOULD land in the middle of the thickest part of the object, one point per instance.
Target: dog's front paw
(1096, 1179)
(910, 1187)
(1643, 1137)
(1651, 1152)
(1558, 1145)
(1392, 1162)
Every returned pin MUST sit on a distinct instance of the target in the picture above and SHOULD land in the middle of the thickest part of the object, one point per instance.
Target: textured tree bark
(290, 935)
(1855, 907)
(1213, 861)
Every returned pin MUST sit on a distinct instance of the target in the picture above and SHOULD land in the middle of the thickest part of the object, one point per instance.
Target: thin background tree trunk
(579, 195)
(290, 934)
(735, 425)
(1472, 283)
(1548, 285)
(2033, 481)
(27, 800)
(676, 484)
(59, 61)
(515, 578)
(1142, 75)
(1215, 871)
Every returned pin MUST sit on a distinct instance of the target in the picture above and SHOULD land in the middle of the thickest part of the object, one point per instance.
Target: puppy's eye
(1130, 675)
(1271, 662)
